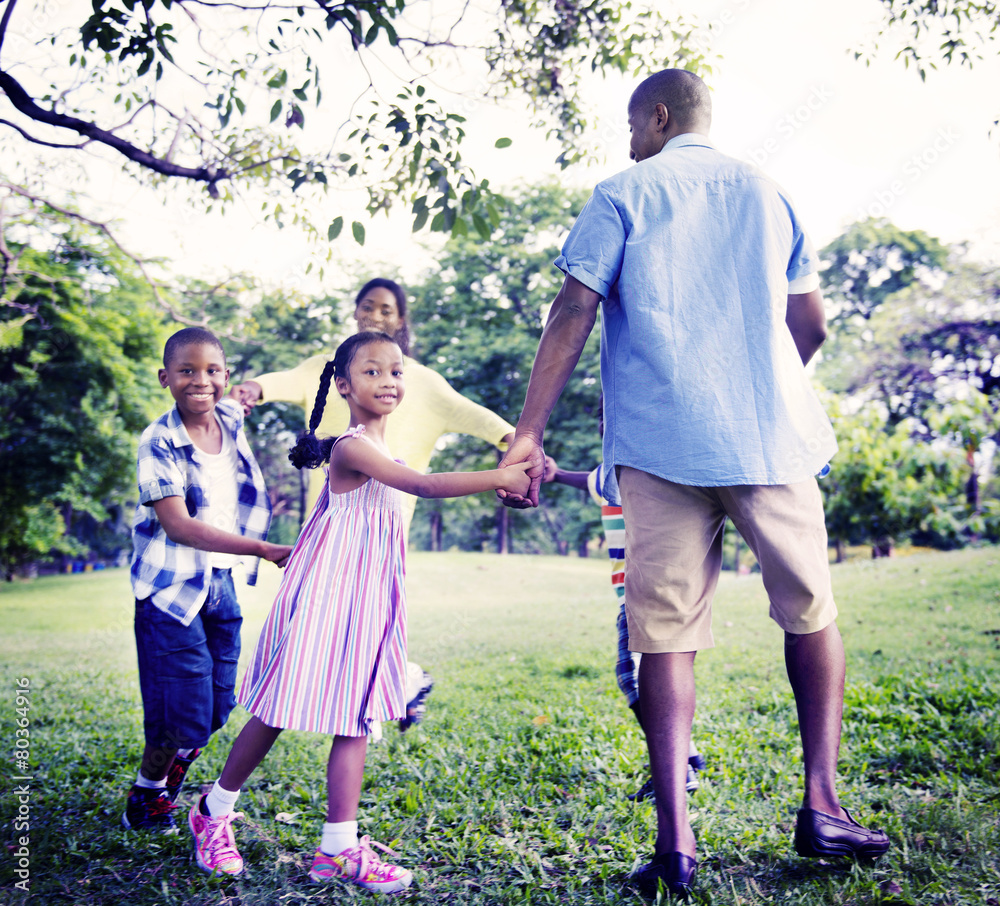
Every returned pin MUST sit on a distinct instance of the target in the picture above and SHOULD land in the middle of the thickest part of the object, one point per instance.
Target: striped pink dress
(332, 655)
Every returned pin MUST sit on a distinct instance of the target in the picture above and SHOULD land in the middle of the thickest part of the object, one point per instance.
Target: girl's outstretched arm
(354, 459)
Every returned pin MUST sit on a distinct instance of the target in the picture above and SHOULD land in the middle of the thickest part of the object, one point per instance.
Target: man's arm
(807, 322)
(570, 321)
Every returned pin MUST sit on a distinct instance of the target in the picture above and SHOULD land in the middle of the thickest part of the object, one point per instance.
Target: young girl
(332, 655)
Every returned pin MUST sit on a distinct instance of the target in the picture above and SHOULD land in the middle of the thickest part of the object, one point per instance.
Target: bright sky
(845, 140)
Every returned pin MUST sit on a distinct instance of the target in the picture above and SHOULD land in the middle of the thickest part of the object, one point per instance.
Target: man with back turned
(710, 310)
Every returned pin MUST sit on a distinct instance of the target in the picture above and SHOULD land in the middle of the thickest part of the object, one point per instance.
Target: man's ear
(662, 117)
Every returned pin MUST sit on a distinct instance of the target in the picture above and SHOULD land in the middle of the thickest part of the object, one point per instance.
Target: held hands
(550, 470)
(277, 553)
(515, 479)
(524, 449)
(247, 394)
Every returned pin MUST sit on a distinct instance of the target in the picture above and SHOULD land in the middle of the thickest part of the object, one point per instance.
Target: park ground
(513, 789)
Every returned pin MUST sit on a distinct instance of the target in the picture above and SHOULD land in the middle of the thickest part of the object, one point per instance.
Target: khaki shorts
(673, 555)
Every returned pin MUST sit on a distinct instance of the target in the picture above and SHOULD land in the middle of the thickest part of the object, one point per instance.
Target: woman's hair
(402, 335)
(310, 452)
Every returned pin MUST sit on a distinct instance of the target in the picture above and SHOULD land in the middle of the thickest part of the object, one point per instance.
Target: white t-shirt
(220, 471)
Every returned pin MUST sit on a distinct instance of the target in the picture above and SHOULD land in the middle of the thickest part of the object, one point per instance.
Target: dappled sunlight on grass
(514, 787)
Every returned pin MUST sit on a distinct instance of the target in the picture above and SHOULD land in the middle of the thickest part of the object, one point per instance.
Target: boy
(202, 506)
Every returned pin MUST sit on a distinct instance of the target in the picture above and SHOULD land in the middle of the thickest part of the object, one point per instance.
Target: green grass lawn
(513, 789)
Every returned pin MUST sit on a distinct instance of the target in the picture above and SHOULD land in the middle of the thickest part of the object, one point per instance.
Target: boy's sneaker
(178, 770)
(692, 781)
(361, 866)
(147, 809)
(697, 761)
(416, 707)
(644, 792)
(214, 844)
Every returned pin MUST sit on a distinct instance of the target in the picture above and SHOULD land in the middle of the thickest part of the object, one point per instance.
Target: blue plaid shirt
(177, 577)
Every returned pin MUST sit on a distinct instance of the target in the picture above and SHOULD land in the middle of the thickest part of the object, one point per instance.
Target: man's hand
(247, 394)
(524, 449)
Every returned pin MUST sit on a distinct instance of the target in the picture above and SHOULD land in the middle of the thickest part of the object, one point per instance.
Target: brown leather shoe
(821, 835)
(676, 870)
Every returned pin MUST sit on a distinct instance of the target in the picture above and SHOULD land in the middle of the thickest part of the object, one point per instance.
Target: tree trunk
(503, 529)
(972, 485)
(303, 491)
(841, 553)
(437, 524)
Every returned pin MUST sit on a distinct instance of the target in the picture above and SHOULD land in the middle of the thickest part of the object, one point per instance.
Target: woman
(430, 408)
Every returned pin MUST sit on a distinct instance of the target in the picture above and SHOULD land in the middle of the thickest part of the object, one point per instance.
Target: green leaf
(276, 110)
(503, 143)
(333, 230)
(278, 80)
(482, 227)
(420, 220)
(359, 232)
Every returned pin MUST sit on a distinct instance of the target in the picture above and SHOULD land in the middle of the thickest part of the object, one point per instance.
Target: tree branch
(25, 104)
(5, 21)
(39, 141)
(103, 228)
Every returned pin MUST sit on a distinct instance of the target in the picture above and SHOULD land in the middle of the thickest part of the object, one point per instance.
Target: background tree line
(911, 373)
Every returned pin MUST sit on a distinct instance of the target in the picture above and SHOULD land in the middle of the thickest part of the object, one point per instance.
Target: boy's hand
(516, 479)
(277, 553)
(550, 470)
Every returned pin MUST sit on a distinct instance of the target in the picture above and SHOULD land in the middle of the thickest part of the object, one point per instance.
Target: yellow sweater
(430, 408)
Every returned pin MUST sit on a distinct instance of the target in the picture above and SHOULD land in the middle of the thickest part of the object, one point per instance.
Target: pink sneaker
(214, 843)
(361, 866)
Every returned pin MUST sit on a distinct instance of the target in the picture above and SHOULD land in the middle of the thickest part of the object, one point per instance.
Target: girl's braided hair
(310, 452)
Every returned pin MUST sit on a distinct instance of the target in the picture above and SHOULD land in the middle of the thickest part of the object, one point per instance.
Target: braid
(321, 394)
(309, 451)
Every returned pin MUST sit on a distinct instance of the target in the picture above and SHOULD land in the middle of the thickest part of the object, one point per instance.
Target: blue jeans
(187, 674)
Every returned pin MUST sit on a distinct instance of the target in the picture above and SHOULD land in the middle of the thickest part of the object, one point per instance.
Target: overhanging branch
(24, 103)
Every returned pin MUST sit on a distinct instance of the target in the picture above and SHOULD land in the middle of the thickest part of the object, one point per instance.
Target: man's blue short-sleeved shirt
(693, 253)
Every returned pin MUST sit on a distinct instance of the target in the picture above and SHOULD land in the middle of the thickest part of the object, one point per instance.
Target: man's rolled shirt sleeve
(594, 250)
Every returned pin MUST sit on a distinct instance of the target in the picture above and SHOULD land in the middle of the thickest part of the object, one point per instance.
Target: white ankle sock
(339, 836)
(220, 801)
(143, 782)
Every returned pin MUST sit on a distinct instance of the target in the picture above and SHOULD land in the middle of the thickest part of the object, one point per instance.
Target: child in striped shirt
(627, 663)
(331, 657)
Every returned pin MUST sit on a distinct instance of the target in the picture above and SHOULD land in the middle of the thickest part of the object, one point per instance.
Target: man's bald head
(684, 94)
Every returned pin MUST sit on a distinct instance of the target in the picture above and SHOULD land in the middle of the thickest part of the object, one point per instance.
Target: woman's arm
(297, 385)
